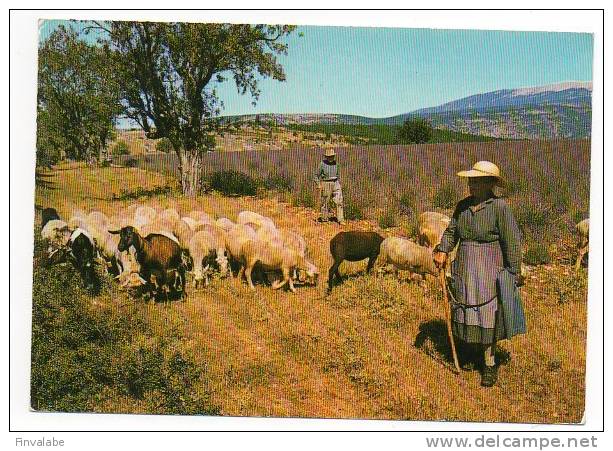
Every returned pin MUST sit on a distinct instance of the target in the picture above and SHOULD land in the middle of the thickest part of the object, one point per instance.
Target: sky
(382, 72)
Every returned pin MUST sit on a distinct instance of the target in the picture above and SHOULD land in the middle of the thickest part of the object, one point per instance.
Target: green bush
(532, 218)
(130, 163)
(279, 182)
(233, 183)
(537, 254)
(407, 203)
(415, 131)
(84, 354)
(388, 219)
(304, 198)
(446, 196)
(164, 145)
(120, 148)
(353, 211)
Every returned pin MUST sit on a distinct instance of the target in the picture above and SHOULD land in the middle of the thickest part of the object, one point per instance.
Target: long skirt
(476, 316)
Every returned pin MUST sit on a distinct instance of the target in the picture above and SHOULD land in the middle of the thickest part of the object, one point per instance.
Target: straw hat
(484, 169)
(329, 152)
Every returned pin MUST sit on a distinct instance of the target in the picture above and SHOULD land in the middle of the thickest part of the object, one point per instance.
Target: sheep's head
(222, 261)
(311, 272)
(128, 237)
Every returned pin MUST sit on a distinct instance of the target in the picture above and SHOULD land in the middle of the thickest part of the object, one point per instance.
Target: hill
(561, 110)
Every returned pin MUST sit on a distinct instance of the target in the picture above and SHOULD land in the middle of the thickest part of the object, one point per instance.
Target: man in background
(327, 178)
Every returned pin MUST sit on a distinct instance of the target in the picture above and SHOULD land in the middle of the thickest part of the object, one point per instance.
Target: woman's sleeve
(510, 239)
(450, 235)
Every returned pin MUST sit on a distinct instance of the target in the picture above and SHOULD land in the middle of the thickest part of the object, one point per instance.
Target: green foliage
(279, 182)
(303, 198)
(388, 219)
(532, 217)
(164, 145)
(120, 148)
(446, 196)
(415, 131)
(376, 133)
(174, 64)
(78, 97)
(537, 253)
(352, 210)
(85, 353)
(130, 162)
(407, 203)
(233, 183)
(140, 192)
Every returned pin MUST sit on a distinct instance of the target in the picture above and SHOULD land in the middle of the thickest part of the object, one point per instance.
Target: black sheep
(47, 215)
(80, 251)
(353, 246)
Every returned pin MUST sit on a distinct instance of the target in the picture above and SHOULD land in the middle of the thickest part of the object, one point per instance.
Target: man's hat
(329, 153)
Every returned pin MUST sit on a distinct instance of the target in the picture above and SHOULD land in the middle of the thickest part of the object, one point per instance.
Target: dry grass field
(376, 348)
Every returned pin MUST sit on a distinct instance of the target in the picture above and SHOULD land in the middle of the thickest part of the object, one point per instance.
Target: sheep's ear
(115, 232)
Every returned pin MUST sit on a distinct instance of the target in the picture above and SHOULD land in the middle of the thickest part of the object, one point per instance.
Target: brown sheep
(159, 257)
(353, 246)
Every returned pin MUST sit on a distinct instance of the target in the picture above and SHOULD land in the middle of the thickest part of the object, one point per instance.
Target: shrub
(233, 183)
(120, 148)
(130, 163)
(407, 203)
(279, 182)
(353, 211)
(445, 197)
(85, 353)
(164, 145)
(415, 131)
(388, 219)
(532, 218)
(537, 254)
(304, 198)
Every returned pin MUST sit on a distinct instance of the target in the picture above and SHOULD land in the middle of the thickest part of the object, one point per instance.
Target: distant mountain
(562, 110)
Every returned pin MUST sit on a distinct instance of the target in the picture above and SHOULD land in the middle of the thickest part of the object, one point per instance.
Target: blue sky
(380, 72)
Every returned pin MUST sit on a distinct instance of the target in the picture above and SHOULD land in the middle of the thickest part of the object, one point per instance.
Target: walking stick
(442, 279)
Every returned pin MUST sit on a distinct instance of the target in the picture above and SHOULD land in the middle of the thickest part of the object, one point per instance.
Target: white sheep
(246, 217)
(57, 233)
(183, 232)
(192, 223)
(225, 224)
(201, 247)
(201, 217)
(272, 257)
(235, 238)
(169, 215)
(143, 215)
(219, 245)
(583, 231)
(431, 228)
(406, 255)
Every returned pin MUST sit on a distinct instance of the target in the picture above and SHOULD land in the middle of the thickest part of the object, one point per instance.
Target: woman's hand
(439, 259)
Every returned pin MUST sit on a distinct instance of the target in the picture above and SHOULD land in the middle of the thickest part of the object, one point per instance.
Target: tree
(78, 98)
(415, 131)
(167, 73)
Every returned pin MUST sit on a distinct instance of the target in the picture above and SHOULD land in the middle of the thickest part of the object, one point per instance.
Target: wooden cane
(441, 276)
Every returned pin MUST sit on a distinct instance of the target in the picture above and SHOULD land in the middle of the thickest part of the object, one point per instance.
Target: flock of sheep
(151, 249)
(154, 250)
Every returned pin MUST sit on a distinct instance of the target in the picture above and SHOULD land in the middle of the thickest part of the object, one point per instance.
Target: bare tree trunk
(190, 168)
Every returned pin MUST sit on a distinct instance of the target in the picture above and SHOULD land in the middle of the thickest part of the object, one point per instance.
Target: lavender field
(548, 181)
